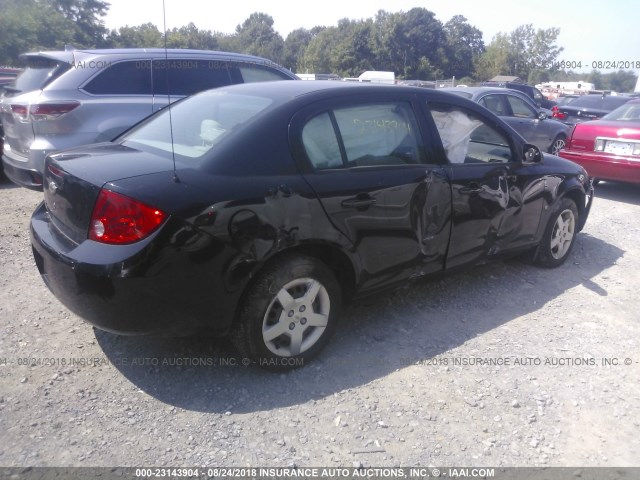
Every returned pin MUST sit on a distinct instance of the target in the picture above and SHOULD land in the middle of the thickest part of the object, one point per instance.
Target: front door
(489, 207)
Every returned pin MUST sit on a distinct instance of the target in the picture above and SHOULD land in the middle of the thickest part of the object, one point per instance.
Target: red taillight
(20, 111)
(43, 111)
(557, 113)
(118, 219)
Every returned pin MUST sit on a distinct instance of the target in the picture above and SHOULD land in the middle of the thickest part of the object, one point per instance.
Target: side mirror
(531, 154)
(542, 115)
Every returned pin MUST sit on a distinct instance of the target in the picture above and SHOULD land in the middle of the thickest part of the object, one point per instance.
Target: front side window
(520, 108)
(467, 138)
(494, 103)
(370, 135)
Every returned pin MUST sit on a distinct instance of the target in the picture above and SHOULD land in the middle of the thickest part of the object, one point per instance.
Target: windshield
(199, 123)
(629, 112)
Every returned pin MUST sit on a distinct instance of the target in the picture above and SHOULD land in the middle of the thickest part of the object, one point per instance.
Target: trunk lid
(585, 134)
(73, 179)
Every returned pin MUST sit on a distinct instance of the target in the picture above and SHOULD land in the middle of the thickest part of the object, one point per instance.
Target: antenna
(166, 57)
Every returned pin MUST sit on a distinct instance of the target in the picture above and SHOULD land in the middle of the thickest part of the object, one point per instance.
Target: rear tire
(559, 236)
(558, 144)
(288, 314)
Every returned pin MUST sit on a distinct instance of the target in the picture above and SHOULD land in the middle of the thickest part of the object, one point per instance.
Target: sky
(590, 30)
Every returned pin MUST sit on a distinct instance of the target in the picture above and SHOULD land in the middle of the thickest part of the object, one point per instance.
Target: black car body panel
(589, 107)
(256, 196)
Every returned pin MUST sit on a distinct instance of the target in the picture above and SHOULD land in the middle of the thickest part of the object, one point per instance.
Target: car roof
(478, 90)
(328, 89)
(70, 55)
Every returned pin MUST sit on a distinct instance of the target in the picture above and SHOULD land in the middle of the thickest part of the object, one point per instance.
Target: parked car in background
(529, 90)
(609, 148)
(265, 206)
(69, 98)
(519, 111)
(7, 76)
(588, 107)
(564, 100)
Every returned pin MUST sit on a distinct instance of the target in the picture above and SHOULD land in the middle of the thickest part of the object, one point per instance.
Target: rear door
(365, 159)
(175, 78)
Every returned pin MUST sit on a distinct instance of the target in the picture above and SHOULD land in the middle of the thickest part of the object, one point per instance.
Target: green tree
(317, 57)
(191, 37)
(146, 35)
(464, 45)
(295, 45)
(620, 81)
(29, 25)
(496, 60)
(256, 36)
(522, 52)
(86, 16)
(411, 44)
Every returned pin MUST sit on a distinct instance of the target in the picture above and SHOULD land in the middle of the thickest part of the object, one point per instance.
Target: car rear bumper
(122, 294)
(20, 174)
(605, 166)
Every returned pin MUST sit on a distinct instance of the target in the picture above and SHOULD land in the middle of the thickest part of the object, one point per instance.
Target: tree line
(413, 44)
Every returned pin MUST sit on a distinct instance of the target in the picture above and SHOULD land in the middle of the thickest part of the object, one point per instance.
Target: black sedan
(257, 210)
(588, 107)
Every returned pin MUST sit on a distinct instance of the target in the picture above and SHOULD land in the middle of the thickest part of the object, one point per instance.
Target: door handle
(359, 203)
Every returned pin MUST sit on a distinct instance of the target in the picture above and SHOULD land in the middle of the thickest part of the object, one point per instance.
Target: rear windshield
(597, 101)
(460, 93)
(192, 127)
(39, 71)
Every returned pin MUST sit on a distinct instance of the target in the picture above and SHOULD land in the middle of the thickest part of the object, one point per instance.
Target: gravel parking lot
(504, 365)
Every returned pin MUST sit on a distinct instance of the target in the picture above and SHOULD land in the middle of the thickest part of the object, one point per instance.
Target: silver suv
(68, 98)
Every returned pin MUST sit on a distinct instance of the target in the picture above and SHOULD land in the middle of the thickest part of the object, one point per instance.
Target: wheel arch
(578, 197)
(332, 256)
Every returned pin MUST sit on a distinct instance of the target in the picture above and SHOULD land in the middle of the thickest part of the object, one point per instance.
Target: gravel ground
(504, 365)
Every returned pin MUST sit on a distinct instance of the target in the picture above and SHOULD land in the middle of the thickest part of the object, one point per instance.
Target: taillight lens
(43, 111)
(21, 112)
(118, 219)
(557, 113)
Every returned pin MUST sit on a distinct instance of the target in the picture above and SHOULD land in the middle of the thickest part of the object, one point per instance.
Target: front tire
(289, 313)
(559, 236)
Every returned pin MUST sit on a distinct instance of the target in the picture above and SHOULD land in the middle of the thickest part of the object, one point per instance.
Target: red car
(609, 148)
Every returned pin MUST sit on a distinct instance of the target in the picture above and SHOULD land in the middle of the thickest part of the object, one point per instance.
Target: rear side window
(122, 78)
(258, 74)
(363, 136)
(193, 126)
(186, 77)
